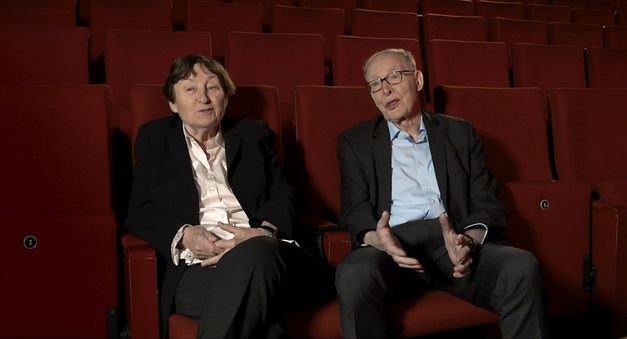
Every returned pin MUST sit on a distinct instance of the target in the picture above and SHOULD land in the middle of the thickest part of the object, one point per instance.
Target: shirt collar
(217, 140)
(395, 132)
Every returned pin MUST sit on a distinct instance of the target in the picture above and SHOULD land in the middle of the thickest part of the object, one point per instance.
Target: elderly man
(424, 214)
(210, 196)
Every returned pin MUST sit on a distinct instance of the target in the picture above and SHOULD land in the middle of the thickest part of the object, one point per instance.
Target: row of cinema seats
(220, 18)
(549, 216)
(288, 60)
(64, 232)
(73, 204)
(83, 12)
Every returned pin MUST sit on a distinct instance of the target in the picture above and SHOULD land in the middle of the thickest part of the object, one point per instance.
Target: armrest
(334, 242)
(140, 270)
(609, 254)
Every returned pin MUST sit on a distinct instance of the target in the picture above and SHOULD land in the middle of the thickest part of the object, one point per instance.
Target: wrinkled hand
(386, 241)
(239, 234)
(458, 248)
(201, 242)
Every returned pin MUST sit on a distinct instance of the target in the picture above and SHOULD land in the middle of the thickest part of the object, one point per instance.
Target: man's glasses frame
(392, 78)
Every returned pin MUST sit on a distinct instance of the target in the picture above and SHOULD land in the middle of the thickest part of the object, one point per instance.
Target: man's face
(400, 101)
(200, 100)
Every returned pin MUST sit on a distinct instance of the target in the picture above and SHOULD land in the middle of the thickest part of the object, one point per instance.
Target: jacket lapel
(232, 144)
(181, 157)
(382, 158)
(436, 133)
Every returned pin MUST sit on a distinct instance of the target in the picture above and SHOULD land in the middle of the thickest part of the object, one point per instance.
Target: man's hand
(386, 241)
(201, 242)
(239, 234)
(458, 248)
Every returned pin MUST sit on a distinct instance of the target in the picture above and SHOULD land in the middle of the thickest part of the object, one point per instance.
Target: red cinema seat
(490, 9)
(351, 52)
(376, 24)
(454, 27)
(410, 6)
(121, 14)
(466, 63)
(281, 60)
(38, 12)
(347, 5)
(548, 13)
(571, 3)
(512, 31)
(56, 208)
(38, 55)
(512, 125)
(615, 36)
(328, 22)
(71, 124)
(447, 7)
(267, 9)
(594, 16)
(604, 4)
(601, 160)
(585, 35)
(548, 66)
(606, 67)
(220, 18)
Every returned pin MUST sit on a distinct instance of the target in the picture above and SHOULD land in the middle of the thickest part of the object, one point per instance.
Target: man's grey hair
(398, 51)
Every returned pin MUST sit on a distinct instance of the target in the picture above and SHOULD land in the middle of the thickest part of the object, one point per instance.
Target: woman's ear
(173, 107)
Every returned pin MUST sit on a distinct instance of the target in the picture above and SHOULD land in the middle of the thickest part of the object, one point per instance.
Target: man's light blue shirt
(415, 191)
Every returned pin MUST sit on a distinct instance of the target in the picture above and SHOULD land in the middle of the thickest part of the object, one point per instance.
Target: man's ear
(173, 107)
(420, 81)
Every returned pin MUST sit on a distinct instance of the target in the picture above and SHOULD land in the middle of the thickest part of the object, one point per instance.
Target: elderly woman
(210, 196)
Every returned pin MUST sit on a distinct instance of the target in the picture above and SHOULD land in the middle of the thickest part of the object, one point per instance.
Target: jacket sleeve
(357, 212)
(146, 220)
(484, 206)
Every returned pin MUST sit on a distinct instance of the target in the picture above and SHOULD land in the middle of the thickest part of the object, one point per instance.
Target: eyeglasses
(393, 78)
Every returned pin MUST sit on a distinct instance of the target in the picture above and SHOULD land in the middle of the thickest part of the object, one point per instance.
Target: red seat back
(377, 24)
(57, 140)
(448, 7)
(584, 35)
(588, 133)
(38, 12)
(328, 22)
(37, 55)
(548, 13)
(453, 27)
(607, 67)
(594, 16)
(490, 9)
(220, 18)
(512, 31)
(351, 52)
(512, 126)
(615, 36)
(467, 63)
(410, 6)
(547, 66)
(121, 14)
(317, 138)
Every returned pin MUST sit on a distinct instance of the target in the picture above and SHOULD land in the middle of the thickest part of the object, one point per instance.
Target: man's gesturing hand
(386, 241)
(458, 248)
